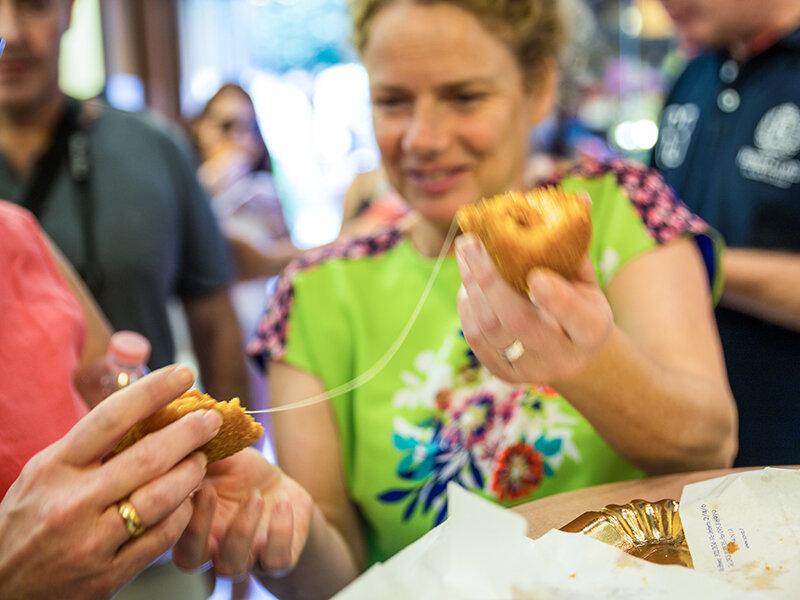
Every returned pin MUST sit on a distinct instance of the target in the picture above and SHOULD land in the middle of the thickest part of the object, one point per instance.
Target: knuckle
(159, 498)
(87, 549)
(242, 529)
(470, 329)
(490, 324)
(57, 513)
(145, 459)
(518, 322)
(166, 534)
(175, 524)
(108, 418)
(108, 583)
(484, 277)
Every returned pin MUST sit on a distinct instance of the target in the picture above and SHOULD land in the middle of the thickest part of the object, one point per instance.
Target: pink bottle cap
(129, 347)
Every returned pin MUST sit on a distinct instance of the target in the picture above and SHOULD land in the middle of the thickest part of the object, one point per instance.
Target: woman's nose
(426, 132)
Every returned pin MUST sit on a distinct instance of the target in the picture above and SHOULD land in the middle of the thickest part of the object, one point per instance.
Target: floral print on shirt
(479, 432)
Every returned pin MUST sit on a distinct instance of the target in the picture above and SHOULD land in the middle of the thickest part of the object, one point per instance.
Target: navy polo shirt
(729, 143)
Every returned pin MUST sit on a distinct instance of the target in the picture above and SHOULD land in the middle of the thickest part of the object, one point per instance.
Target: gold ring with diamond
(132, 521)
(512, 352)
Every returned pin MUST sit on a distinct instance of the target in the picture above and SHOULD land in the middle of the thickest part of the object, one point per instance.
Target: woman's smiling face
(450, 110)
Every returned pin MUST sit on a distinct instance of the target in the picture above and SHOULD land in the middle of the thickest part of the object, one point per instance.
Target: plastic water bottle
(126, 360)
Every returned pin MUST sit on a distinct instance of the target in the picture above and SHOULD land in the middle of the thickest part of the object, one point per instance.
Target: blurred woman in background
(236, 172)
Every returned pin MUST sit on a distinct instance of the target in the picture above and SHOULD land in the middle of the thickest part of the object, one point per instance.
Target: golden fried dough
(238, 429)
(542, 228)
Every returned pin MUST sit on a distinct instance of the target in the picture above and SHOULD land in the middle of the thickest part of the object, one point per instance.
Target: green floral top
(433, 414)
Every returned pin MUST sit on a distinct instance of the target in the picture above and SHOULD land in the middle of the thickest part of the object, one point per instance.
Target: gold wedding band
(132, 521)
(512, 352)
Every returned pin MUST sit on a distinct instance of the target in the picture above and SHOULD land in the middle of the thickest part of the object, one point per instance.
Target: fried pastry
(545, 227)
(238, 429)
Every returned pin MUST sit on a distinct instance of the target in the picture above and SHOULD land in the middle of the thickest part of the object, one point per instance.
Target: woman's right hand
(249, 516)
(60, 525)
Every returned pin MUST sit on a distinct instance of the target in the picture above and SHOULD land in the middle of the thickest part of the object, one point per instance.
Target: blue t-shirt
(729, 144)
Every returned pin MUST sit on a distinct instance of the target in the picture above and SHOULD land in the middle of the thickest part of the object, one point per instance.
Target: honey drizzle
(381, 363)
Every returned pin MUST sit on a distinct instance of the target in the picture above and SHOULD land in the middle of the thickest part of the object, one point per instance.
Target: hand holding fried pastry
(65, 528)
(238, 429)
(557, 329)
(583, 342)
(545, 227)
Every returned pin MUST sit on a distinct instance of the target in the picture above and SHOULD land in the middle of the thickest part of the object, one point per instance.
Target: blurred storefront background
(311, 93)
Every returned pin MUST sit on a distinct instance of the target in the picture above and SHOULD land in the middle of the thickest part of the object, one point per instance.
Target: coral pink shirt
(42, 331)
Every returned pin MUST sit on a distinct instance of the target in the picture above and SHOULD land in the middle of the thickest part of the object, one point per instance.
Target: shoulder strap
(70, 145)
(46, 168)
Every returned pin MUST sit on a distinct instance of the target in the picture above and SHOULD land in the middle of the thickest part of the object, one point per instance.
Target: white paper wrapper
(745, 528)
(481, 553)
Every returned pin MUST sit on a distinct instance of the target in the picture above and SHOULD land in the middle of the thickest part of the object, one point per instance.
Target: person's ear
(543, 92)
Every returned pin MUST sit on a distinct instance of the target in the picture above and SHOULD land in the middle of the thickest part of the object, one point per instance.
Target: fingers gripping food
(542, 228)
(238, 429)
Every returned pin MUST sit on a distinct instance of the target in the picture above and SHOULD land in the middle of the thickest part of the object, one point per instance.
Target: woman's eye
(466, 99)
(390, 102)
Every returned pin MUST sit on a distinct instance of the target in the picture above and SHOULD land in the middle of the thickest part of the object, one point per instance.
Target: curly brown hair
(534, 30)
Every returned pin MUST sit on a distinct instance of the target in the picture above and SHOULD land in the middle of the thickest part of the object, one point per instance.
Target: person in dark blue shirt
(729, 143)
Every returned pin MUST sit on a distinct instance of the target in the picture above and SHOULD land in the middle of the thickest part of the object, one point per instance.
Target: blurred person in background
(118, 195)
(729, 143)
(612, 376)
(236, 172)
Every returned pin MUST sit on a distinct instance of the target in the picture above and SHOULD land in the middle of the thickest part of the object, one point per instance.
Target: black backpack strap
(46, 168)
(70, 146)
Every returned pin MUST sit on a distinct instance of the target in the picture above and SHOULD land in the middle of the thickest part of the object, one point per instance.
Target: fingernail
(467, 245)
(213, 420)
(532, 298)
(182, 375)
(539, 287)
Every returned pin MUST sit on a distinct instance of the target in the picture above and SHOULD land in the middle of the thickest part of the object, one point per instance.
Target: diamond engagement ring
(512, 352)
(132, 521)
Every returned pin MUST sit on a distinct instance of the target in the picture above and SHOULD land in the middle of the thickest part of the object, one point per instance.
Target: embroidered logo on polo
(777, 141)
(677, 125)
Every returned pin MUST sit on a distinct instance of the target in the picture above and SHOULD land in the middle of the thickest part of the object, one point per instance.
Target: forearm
(660, 417)
(325, 566)
(252, 263)
(764, 284)
(218, 345)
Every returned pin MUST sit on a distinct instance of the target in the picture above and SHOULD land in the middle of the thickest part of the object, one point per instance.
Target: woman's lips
(435, 181)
